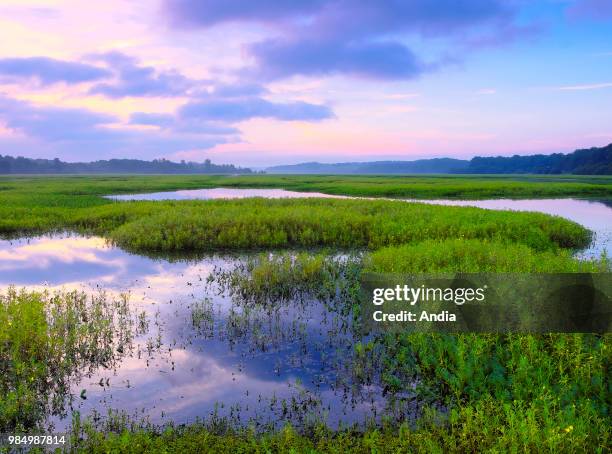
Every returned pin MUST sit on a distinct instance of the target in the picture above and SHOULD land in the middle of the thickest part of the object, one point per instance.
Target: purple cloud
(381, 60)
(152, 119)
(48, 71)
(209, 12)
(236, 90)
(236, 110)
(53, 123)
(136, 80)
(354, 37)
(184, 125)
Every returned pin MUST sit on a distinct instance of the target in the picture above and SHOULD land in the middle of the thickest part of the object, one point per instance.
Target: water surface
(221, 193)
(289, 365)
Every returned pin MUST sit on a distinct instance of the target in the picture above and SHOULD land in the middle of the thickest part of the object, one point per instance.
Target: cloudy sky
(283, 81)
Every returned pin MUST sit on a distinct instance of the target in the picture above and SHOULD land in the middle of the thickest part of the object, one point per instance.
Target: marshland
(169, 324)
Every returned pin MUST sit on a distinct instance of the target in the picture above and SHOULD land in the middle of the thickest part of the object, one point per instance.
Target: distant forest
(437, 165)
(10, 164)
(591, 161)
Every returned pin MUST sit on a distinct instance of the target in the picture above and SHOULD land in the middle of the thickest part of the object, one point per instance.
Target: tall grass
(485, 427)
(260, 223)
(42, 204)
(474, 256)
(406, 186)
(48, 341)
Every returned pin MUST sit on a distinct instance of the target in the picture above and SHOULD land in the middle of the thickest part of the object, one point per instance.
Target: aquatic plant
(50, 340)
(483, 427)
(277, 278)
(500, 393)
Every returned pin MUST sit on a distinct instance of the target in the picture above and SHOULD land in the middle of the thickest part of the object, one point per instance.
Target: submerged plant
(278, 278)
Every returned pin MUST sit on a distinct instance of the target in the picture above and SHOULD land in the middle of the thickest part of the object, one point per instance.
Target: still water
(596, 215)
(222, 193)
(262, 367)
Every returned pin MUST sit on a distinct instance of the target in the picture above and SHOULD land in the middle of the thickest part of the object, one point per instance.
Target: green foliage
(260, 223)
(46, 341)
(473, 256)
(546, 392)
(485, 426)
(47, 204)
(277, 278)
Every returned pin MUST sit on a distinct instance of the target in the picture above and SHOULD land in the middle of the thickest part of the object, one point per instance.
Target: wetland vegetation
(47, 341)
(447, 392)
(39, 205)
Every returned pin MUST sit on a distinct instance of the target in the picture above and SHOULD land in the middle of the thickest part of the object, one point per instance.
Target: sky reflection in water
(184, 374)
(222, 193)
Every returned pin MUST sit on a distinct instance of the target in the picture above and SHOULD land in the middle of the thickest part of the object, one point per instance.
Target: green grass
(57, 189)
(260, 223)
(31, 205)
(486, 427)
(46, 342)
(279, 278)
(475, 256)
(515, 393)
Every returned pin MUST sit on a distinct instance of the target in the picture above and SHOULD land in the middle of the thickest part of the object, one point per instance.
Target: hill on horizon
(435, 165)
(590, 161)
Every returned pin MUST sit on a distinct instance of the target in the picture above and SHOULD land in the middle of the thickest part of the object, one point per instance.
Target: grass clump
(260, 224)
(47, 342)
(475, 256)
(271, 279)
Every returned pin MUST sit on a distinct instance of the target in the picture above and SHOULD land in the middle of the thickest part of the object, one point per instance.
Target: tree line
(591, 161)
(9, 164)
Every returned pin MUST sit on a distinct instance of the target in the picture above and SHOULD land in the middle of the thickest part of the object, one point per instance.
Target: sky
(266, 82)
